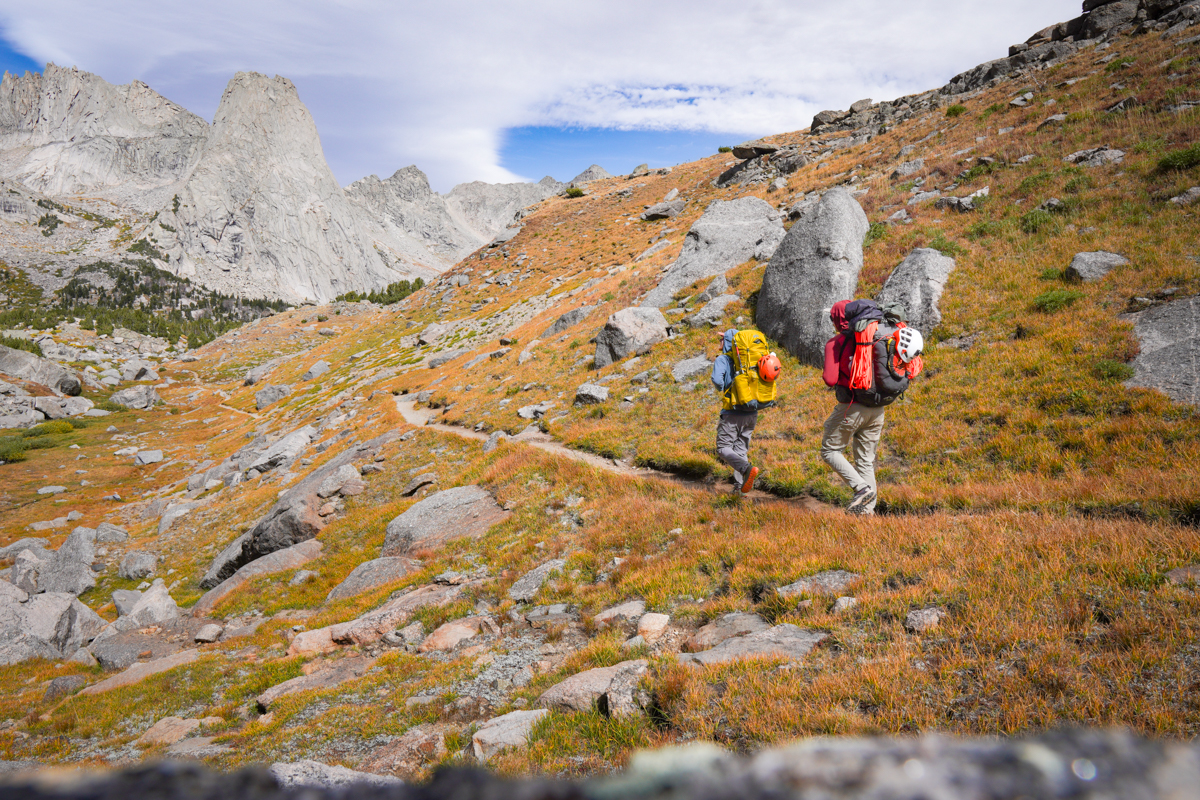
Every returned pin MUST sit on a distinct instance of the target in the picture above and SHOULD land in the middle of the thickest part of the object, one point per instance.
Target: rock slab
(445, 515)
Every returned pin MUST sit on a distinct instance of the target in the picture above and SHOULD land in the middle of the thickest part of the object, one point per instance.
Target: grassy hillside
(1027, 491)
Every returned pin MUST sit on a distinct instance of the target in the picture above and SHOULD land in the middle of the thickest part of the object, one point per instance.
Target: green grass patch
(1107, 369)
(1181, 159)
(1055, 300)
(956, 110)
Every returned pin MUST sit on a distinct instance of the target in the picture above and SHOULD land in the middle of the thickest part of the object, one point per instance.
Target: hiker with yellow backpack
(868, 363)
(744, 373)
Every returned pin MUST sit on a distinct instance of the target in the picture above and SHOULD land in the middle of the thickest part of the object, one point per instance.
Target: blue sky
(517, 89)
(16, 62)
(536, 151)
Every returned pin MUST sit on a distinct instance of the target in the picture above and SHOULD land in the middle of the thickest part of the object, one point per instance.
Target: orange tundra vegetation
(1024, 488)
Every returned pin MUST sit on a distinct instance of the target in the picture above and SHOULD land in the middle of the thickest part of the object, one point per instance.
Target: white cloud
(436, 84)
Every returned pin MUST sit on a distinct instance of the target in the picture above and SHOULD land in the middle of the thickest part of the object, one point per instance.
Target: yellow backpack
(748, 392)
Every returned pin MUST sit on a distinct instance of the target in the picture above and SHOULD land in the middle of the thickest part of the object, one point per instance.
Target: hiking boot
(858, 503)
(748, 486)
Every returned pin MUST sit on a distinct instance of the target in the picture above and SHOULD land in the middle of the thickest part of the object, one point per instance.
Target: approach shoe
(858, 503)
(748, 485)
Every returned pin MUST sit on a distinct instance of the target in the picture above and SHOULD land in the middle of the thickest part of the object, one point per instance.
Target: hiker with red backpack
(744, 373)
(869, 362)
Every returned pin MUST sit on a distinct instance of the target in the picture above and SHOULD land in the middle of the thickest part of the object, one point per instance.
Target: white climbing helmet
(909, 344)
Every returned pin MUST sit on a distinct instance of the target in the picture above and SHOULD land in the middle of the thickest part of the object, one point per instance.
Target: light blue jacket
(723, 370)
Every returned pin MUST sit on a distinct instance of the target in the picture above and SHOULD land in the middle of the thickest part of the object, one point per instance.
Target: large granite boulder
(1169, 360)
(917, 282)
(269, 395)
(52, 625)
(628, 332)
(816, 265)
(449, 514)
(26, 366)
(295, 516)
(1109, 16)
(730, 232)
(568, 320)
(1088, 267)
(69, 570)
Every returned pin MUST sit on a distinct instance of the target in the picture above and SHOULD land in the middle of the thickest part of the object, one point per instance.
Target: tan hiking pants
(858, 427)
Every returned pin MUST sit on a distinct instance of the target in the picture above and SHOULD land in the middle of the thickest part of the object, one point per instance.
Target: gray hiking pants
(733, 441)
(858, 427)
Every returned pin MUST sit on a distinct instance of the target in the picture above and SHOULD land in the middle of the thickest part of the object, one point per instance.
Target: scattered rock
(1088, 267)
(136, 397)
(568, 320)
(782, 641)
(493, 441)
(62, 686)
(125, 600)
(107, 533)
(630, 331)
(528, 585)
(406, 756)
(581, 691)
(590, 394)
(917, 283)
(269, 395)
(664, 210)
(828, 582)
(500, 733)
(1169, 359)
(208, 633)
(691, 368)
(418, 483)
(315, 371)
(652, 626)
(625, 614)
(535, 411)
(908, 168)
(371, 575)
(753, 149)
(334, 484)
(464, 511)
(737, 623)
(922, 620)
(448, 636)
(712, 312)
(169, 730)
(135, 565)
(844, 604)
(1096, 157)
(1189, 197)
(816, 265)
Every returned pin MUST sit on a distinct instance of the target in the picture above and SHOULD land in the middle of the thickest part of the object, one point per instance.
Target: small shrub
(1078, 184)
(1036, 221)
(1181, 159)
(1050, 274)
(994, 108)
(1055, 300)
(956, 110)
(48, 222)
(877, 232)
(322, 318)
(947, 247)
(574, 191)
(109, 405)
(12, 449)
(1106, 369)
(1116, 64)
(724, 149)
(983, 229)
(1034, 181)
(17, 343)
(55, 428)
(609, 297)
